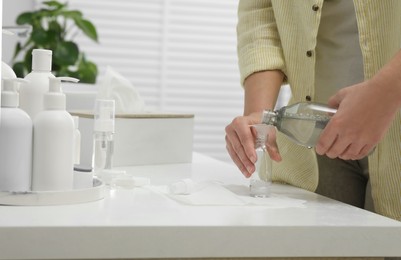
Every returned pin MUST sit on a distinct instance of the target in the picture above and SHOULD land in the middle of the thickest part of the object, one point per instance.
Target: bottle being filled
(261, 180)
(301, 122)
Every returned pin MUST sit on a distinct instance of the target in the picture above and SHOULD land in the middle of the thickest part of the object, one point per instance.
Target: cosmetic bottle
(53, 142)
(103, 139)
(31, 95)
(301, 122)
(15, 141)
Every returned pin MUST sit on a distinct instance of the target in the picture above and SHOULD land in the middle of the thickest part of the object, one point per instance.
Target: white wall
(11, 9)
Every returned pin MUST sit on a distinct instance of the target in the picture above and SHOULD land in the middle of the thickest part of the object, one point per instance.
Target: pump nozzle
(9, 95)
(55, 83)
(55, 98)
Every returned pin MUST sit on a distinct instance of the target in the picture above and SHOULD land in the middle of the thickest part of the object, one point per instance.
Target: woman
(344, 53)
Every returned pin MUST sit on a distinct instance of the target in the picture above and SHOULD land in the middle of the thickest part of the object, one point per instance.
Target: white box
(142, 139)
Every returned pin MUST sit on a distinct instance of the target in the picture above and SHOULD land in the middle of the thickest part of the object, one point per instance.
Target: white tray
(43, 198)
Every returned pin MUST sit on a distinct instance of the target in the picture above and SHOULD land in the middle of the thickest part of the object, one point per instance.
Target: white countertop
(142, 223)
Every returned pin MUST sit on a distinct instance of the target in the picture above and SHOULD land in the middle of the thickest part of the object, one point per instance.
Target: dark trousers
(345, 181)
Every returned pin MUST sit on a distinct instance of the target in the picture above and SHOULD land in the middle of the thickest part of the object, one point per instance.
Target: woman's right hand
(240, 143)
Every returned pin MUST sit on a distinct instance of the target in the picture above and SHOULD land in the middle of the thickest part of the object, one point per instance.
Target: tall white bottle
(53, 142)
(15, 141)
(31, 95)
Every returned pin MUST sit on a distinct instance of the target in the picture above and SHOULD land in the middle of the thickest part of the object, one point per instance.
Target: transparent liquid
(260, 181)
(103, 149)
(303, 129)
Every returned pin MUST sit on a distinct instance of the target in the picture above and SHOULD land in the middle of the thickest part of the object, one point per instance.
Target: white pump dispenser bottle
(31, 95)
(15, 141)
(53, 140)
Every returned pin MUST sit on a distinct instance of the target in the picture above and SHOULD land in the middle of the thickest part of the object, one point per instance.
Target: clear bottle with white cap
(15, 141)
(53, 139)
(103, 140)
(31, 95)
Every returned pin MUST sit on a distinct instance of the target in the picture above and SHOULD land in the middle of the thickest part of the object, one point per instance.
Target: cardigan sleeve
(258, 41)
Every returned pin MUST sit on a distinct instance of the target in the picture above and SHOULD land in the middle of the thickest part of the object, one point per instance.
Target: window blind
(179, 54)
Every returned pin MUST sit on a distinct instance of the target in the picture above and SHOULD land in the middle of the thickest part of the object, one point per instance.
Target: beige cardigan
(281, 34)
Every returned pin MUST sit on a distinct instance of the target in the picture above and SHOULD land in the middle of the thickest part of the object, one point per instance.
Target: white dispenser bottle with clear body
(301, 122)
(53, 160)
(31, 95)
(103, 141)
(15, 141)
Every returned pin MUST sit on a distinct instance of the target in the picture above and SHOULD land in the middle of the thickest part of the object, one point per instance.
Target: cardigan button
(309, 54)
(308, 98)
(315, 7)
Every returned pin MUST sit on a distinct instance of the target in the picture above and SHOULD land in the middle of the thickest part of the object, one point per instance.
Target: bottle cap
(269, 117)
(9, 94)
(41, 60)
(55, 98)
(182, 187)
(104, 115)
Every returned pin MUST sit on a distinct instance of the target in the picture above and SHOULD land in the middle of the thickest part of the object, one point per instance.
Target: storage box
(142, 139)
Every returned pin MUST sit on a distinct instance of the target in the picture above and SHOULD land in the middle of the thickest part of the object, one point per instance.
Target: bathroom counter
(144, 222)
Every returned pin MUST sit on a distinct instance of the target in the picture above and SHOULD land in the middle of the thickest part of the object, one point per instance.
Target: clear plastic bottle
(103, 140)
(77, 141)
(261, 180)
(301, 122)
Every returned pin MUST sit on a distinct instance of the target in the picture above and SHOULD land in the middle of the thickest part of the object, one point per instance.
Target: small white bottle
(53, 140)
(77, 141)
(7, 72)
(31, 95)
(15, 141)
(103, 141)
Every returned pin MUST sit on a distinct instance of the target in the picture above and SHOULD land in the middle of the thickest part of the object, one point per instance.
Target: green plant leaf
(40, 36)
(28, 59)
(49, 32)
(18, 49)
(88, 28)
(75, 14)
(87, 71)
(55, 4)
(25, 18)
(19, 69)
(66, 53)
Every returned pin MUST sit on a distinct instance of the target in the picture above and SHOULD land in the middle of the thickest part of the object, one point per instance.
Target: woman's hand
(241, 146)
(362, 119)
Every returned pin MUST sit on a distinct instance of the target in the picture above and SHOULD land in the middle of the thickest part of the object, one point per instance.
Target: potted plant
(52, 28)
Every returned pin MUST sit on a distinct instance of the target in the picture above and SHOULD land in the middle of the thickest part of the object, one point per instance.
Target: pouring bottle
(301, 122)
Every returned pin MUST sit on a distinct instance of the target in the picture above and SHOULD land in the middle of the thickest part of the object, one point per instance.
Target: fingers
(333, 145)
(240, 146)
(272, 147)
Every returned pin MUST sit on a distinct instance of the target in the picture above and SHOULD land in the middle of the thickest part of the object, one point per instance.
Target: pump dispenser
(15, 141)
(53, 140)
(31, 95)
